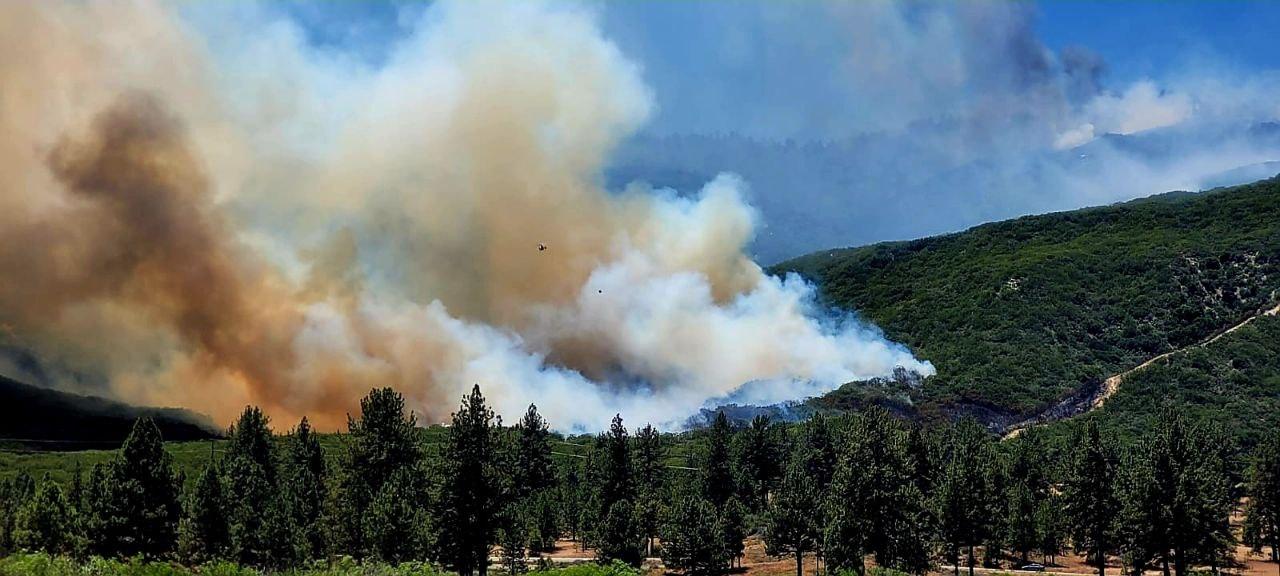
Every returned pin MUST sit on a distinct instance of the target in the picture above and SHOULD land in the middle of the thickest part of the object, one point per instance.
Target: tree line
(838, 490)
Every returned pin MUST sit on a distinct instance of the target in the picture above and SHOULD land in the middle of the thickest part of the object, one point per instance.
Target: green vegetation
(1089, 500)
(1262, 516)
(853, 487)
(610, 569)
(41, 564)
(189, 458)
(1234, 381)
(1018, 315)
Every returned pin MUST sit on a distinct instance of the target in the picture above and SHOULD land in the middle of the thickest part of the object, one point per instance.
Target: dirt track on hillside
(1112, 384)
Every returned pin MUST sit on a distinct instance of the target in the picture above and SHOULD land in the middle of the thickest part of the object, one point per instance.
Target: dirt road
(1112, 384)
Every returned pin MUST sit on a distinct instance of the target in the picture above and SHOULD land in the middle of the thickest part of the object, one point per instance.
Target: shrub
(616, 568)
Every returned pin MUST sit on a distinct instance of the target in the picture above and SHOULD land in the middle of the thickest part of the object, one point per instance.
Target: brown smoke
(211, 239)
(139, 227)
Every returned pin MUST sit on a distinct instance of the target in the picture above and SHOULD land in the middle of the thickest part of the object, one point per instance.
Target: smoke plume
(859, 122)
(211, 227)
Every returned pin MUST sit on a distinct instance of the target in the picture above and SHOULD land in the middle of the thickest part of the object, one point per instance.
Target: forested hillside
(48, 419)
(1020, 314)
(1234, 382)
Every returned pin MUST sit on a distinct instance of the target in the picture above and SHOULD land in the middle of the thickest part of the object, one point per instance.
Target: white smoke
(429, 222)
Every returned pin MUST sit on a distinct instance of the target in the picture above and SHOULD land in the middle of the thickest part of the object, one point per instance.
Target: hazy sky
(946, 114)
(773, 57)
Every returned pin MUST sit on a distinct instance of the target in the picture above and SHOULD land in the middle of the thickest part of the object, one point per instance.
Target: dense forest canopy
(850, 490)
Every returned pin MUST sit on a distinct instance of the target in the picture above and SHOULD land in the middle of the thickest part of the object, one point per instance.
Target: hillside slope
(50, 419)
(1234, 381)
(1020, 314)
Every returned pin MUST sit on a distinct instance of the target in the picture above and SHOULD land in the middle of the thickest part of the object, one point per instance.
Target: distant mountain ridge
(31, 416)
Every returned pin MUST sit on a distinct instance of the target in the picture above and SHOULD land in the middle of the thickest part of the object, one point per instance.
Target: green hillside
(1019, 315)
(190, 457)
(1234, 381)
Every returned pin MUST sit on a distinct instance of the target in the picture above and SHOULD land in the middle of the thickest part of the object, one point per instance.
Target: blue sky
(1148, 38)
(938, 116)
(697, 42)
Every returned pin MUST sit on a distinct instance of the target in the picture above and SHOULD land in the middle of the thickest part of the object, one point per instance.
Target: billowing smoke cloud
(858, 122)
(256, 221)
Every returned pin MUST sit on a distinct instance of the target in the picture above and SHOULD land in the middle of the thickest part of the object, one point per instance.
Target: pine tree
(1262, 524)
(470, 497)
(717, 473)
(790, 526)
(95, 519)
(396, 527)
(1089, 501)
(593, 510)
(545, 521)
(964, 496)
(533, 471)
(996, 488)
(878, 506)
(47, 522)
(620, 537)
(617, 483)
(513, 536)
(205, 534)
(1216, 479)
(920, 460)
(340, 528)
(692, 539)
(1142, 522)
(137, 511)
(75, 495)
(818, 442)
(382, 442)
(847, 506)
(914, 532)
(759, 455)
(650, 479)
(732, 529)
(886, 467)
(1050, 529)
(1191, 462)
(250, 437)
(1027, 486)
(282, 544)
(250, 478)
(384, 439)
(1021, 521)
(571, 499)
(17, 491)
(304, 487)
(817, 447)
